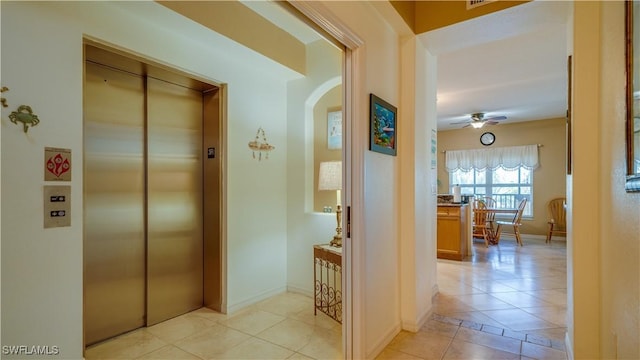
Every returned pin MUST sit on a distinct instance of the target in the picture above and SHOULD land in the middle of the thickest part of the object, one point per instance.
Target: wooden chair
(490, 203)
(480, 226)
(488, 200)
(516, 222)
(557, 217)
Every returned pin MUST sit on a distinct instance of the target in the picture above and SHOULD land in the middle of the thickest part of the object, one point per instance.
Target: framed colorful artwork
(334, 129)
(383, 126)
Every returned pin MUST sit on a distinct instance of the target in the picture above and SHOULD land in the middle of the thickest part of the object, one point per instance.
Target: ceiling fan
(478, 120)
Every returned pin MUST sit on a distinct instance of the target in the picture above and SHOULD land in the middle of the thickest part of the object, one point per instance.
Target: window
(506, 175)
(507, 187)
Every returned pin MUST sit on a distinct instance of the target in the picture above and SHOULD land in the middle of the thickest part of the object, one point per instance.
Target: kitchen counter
(453, 231)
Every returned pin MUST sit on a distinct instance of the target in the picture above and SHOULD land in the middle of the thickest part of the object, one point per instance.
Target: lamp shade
(330, 175)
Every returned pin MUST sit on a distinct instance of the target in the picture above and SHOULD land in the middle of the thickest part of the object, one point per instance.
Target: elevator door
(114, 201)
(143, 193)
(174, 168)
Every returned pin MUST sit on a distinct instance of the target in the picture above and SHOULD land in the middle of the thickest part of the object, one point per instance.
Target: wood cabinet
(453, 231)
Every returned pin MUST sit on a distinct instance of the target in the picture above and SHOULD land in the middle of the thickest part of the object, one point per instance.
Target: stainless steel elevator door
(114, 188)
(174, 171)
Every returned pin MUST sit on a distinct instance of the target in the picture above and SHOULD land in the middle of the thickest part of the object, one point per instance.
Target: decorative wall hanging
(25, 115)
(57, 164)
(260, 146)
(3, 100)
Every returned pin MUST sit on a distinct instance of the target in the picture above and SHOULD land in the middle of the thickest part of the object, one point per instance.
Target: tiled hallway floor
(508, 302)
(281, 327)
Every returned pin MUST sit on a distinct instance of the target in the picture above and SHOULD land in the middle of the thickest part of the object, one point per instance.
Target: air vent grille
(475, 3)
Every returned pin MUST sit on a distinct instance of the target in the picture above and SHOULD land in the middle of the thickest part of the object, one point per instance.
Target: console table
(327, 279)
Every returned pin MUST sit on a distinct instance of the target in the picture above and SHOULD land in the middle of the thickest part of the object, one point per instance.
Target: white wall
(417, 179)
(306, 228)
(331, 101)
(428, 93)
(41, 269)
(42, 66)
(376, 250)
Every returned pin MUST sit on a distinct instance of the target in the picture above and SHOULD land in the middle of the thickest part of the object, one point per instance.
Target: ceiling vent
(475, 3)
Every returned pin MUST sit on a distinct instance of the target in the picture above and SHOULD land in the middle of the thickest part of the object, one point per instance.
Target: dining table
(490, 215)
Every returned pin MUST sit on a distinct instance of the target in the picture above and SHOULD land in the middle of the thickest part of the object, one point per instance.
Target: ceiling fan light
(477, 124)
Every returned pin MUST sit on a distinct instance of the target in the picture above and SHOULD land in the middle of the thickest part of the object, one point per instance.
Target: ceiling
(511, 63)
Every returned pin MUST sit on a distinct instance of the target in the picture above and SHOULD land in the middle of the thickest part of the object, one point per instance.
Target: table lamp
(330, 178)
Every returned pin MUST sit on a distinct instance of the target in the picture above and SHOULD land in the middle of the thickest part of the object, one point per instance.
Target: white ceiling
(511, 63)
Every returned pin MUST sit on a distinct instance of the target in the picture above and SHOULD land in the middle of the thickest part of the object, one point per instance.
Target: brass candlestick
(337, 238)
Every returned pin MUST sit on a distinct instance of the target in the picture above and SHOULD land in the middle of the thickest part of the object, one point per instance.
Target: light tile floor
(281, 327)
(507, 302)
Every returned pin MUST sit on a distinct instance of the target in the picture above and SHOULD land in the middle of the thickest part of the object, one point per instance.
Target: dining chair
(488, 200)
(490, 203)
(557, 217)
(480, 227)
(516, 222)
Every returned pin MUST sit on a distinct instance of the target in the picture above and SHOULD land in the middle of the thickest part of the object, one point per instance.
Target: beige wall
(236, 21)
(549, 177)
(620, 233)
(331, 101)
(604, 224)
(407, 10)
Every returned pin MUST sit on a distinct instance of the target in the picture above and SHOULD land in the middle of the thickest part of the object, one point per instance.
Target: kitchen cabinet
(453, 231)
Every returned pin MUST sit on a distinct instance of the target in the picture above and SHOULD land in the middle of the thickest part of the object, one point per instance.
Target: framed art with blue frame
(383, 126)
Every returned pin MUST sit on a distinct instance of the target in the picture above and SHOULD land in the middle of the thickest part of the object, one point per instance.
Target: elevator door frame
(214, 199)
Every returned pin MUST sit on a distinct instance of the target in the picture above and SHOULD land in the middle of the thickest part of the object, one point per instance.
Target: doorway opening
(520, 289)
(249, 245)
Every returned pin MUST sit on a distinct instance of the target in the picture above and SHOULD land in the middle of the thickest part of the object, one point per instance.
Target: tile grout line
(537, 339)
(450, 342)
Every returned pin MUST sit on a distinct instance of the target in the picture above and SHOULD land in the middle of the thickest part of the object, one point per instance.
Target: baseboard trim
(383, 342)
(299, 290)
(567, 344)
(415, 326)
(231, 309)
(536, 237)
(532, 236)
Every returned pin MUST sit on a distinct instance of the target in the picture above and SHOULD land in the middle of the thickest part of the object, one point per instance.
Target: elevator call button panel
(57, 206)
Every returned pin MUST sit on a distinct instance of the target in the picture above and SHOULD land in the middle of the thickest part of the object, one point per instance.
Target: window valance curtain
(510, 157)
